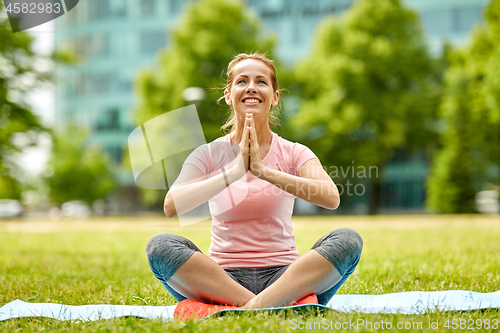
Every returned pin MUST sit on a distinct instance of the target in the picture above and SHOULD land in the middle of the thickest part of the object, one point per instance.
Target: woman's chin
(250, 109)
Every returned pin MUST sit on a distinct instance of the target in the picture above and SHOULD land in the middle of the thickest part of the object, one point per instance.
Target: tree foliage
(368, 87)
(470, 155)
(19, 74)
(210, 34)
(78, 172)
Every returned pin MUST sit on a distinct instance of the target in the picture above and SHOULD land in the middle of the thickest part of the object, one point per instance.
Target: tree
(19, 127)
(491, 72)
(367, 89)
(210, 34)
(470, 151)
(451, 185)
(78, 172)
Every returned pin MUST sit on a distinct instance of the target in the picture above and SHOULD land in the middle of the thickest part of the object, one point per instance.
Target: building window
(81, 84)
(124, 85)
(108, 122)
(311, 7)
(115, 152)
(118, 8)
(80, 46)
(465, 18)
(100, 83)
(95, 45)
(151, 41)
(437, 21)
(296, 33)
(93, 84)
(403, 194)
(451, 20)
(148, 7)
(175, 6)
(70, 89)
(98, 9)
(100, 45)
(113, 120)
(252, 3)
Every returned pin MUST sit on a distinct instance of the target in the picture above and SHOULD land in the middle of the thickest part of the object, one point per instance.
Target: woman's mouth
(251, 101)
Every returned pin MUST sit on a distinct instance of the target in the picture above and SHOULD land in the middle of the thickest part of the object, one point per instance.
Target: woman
(253, 261)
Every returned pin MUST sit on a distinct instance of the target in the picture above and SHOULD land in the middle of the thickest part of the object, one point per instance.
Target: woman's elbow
(169, 207)
(336, 202)
(170, 212)
(333, 201)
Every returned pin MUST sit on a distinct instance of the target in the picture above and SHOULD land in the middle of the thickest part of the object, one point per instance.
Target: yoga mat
(18, 309)
(411, 302)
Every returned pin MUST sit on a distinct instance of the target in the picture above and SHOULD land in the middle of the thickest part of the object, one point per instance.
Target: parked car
(75, 209)
(10, 208)
(488, 202)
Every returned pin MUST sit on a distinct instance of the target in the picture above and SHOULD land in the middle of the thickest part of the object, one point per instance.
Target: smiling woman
(253, 260)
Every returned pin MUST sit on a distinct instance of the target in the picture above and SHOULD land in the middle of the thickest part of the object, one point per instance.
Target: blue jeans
(342, 247)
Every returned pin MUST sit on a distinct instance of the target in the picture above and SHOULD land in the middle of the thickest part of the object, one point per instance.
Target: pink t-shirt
(252, 218)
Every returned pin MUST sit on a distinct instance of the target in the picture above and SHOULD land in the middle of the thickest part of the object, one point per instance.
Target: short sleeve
(200, 158)
(300, 155)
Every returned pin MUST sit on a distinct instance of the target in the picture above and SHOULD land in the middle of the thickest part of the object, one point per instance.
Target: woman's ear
(276, 98)
(227, 97)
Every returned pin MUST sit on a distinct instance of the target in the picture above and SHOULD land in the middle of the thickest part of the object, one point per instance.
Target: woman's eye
(241, 81)
(263, 81)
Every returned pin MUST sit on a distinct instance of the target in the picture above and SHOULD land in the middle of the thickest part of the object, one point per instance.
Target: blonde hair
(275, 111)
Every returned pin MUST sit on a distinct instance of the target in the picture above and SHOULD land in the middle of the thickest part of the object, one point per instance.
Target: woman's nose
(251, 87)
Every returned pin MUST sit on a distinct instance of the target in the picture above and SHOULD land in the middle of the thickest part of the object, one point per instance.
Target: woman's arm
(191, 189)
(313, 183)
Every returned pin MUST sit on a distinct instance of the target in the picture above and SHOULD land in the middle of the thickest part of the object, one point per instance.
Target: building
(115, 38)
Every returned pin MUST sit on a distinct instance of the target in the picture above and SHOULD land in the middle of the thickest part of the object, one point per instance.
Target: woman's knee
(351, 239)
(342, 247)
(170, 245)
(167, 252)
(159, 243)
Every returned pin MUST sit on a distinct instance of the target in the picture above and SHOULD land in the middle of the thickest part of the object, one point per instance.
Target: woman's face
(251, 90)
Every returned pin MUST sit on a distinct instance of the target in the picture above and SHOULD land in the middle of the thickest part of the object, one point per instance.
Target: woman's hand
(249, 156)
(243, 159)
(256, 166)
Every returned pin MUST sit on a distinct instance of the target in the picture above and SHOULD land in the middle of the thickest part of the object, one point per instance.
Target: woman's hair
(275, 111)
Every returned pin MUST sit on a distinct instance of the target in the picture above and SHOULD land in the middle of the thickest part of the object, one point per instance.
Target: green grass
(104, 261)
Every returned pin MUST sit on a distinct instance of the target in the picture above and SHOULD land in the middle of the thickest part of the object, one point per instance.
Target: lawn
(104, 261)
